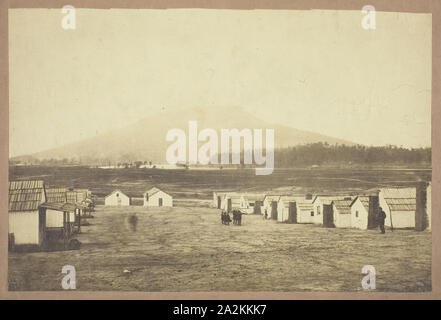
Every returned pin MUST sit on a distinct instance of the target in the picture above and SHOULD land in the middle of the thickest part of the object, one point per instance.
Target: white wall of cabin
(360, 222)
(25, 227)
(341, 220)
(400, 219)
(112, 200)
(304, 216)
(54, 219)
(318, 206)
(167, 200)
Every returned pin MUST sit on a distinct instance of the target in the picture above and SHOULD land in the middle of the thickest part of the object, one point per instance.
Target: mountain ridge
(145, 139)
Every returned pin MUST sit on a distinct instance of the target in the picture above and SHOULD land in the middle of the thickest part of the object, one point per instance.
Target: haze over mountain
(145, 140)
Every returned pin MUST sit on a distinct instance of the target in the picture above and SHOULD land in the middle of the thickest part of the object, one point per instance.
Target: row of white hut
(153, 197)
(39, 215)
(404, 207)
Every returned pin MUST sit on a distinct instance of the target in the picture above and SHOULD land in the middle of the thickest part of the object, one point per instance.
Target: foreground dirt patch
(188, 249)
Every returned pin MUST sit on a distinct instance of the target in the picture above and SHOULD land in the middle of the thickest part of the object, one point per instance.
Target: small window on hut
(117, 194)
(356, 214)
(312, 213)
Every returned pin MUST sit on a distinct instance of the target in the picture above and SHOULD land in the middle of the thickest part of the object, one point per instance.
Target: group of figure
(237, 217)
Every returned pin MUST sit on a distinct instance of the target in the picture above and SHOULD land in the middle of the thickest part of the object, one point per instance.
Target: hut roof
(343, 206)
(305, 204)
(364, 201)
(400, 199)
(56, 195)
(153, 191)
(80, 194)
(59, 206)
(327, 199)
(272, 198)
(25, 195)
(115, 191)
(73, 197)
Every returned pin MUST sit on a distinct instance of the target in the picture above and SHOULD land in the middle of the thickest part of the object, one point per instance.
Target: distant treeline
(314, 154)
(323, 153)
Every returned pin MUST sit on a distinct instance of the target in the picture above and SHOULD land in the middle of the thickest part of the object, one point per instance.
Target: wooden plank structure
(26, 219)
(60, 230)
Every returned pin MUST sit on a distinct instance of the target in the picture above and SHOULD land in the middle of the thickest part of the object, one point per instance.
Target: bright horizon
(311, 70)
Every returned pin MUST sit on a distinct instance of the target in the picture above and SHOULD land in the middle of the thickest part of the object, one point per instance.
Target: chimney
(421, 206)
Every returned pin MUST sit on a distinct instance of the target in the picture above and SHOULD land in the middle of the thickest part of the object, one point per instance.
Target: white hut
(59, 218)
(341, 210)
(59, 224)
(252, 203)
(157, 198)
(305, 211)
(26, 219)
(232, 201)
(399, 204)
(117, 198)
(270, 206)
(364, 210)
(318, 205)
(287, 209)
(360, 212)
(218, 198)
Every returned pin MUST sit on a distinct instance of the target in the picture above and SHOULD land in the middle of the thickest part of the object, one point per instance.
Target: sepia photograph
(219, 150)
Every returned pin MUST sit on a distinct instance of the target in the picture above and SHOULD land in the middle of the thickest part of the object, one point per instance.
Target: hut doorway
(274, 210)
(257, 206)
(328, 216)
(229, 205)
(160, 202)
(219, 202)
(292, 213)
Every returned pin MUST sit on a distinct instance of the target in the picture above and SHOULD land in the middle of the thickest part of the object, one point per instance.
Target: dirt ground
(188, 249)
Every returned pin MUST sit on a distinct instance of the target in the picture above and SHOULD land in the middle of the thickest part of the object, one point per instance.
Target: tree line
(326, 154)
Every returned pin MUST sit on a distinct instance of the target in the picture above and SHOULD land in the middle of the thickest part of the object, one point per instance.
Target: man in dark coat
(381, 218)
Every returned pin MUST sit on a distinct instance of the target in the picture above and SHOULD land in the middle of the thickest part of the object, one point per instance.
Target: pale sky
(312, 70)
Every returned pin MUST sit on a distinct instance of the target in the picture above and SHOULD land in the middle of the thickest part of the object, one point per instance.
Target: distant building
(231, 202)
(157, 198)
(305, 210)
(287, 209)
(252, 203)
(341, 210)
(218, 199)
(59, 216)
(322, 207)
(364, 211)
(399, 204)
(117, 198)
(26, 223)
(270, 203)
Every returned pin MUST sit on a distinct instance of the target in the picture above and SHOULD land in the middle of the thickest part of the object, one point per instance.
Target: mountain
(145, 139)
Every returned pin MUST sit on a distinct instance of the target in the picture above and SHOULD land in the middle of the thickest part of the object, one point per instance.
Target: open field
(199, 184)
(188, 249)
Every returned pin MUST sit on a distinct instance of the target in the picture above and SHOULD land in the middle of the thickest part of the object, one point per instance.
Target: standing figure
(381, 218)
(227, 219)
(239, 218)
